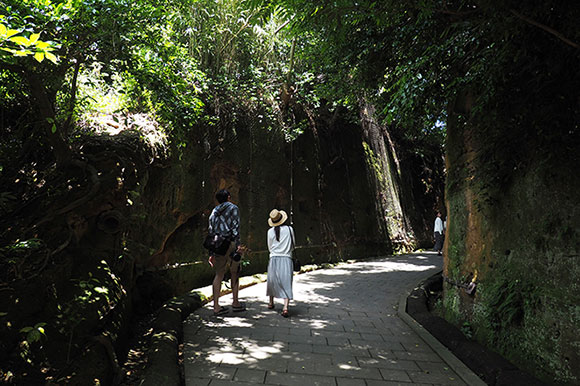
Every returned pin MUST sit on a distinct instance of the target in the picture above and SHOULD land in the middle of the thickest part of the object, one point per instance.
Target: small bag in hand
(296, 264)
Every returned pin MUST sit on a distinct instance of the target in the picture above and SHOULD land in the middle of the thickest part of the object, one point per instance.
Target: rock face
(324, 180)
(340, 182)
(514, 230)
(409, 184)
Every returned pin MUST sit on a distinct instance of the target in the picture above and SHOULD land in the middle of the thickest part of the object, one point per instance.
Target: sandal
(285, 313)
(240, 308)
(221, 311)
(270, 306)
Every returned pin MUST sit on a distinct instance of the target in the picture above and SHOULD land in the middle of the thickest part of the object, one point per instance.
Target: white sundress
(280, 267)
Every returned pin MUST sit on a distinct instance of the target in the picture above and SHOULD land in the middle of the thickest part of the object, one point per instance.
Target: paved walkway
(343, 330)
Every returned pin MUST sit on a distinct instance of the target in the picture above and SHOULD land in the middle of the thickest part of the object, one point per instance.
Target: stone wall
(514, 230)
(323, 180)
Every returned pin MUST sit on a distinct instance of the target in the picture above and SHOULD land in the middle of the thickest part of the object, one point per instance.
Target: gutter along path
(345, 328)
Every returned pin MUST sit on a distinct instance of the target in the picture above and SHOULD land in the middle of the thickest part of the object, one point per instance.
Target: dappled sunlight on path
(343, 329)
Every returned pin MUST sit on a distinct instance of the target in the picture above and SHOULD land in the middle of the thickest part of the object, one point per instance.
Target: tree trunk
(47, 123)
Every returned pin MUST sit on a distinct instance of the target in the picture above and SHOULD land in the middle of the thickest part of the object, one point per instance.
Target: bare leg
(216, 288)
(235, 287)
(271, 303)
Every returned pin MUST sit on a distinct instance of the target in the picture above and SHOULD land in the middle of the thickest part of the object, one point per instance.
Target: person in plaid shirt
(225, 220)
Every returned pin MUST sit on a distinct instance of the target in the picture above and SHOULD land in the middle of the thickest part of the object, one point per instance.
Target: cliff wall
(514, 231)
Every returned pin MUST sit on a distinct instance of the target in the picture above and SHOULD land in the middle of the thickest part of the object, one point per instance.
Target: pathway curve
(343, 330)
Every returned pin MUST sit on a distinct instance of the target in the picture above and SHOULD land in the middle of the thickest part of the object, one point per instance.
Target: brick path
(343, 330)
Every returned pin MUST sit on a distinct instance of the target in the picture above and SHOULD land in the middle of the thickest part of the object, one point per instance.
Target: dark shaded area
(488, 365)
(159, 364)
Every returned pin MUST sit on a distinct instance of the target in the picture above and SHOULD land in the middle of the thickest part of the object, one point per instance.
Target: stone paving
(343, 331)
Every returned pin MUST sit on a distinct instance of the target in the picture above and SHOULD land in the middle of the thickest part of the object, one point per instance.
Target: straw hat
(277, 217)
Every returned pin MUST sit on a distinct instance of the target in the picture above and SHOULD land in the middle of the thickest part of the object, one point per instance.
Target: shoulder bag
(296, 266)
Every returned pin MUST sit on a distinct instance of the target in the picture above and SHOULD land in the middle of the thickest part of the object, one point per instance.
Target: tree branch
(73, 97)
(283, 25)
(545, 28)
(60, 148)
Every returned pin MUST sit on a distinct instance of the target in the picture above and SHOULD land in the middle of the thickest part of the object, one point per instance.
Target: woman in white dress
(280, 269)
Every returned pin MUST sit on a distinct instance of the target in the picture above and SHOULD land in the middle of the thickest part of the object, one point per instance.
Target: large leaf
(39, 56)
(12, 32)
(21, 52)
(43, 45)
(51, 57)
(34, 38)
(21, 40)
(6, 33)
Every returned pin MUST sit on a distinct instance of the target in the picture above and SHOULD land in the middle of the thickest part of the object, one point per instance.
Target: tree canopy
(200, 62)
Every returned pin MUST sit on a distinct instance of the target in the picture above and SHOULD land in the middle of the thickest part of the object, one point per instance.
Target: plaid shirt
(225, 220)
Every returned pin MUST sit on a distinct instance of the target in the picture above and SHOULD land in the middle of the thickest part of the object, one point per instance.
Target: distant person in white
(280, 269)
(438, 232)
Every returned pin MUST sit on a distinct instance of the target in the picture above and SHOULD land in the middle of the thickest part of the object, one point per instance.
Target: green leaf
(39, 56)
(26, 329)
(53, 129)
(42, 45)
(21, 40)
(34, 38)
(33, 336)
(21, 52)
(3, 30)
(51, 57)
(12, 32)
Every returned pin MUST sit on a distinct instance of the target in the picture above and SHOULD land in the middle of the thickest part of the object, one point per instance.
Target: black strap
(219, 214)
(291, 236)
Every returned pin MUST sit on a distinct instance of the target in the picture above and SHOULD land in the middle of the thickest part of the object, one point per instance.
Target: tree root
(105, 341)
(96, 184)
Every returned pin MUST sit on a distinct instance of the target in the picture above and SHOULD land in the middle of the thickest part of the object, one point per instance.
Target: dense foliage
(66, 65)
(412, 59)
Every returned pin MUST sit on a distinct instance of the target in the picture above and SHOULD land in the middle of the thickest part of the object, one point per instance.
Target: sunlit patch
(319, 324)
(262, 352)
(332, 272)
(397, 267)
(226, 358)
(143, 127)
(345, 366)
(260, 316)
(317, 298)
(235, 322)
